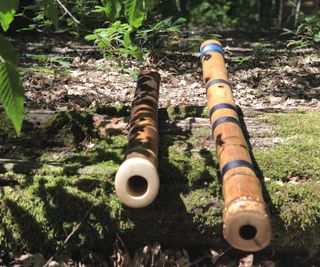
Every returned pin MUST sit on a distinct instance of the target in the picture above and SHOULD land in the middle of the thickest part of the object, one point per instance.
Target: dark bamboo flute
(246, 223)
(137, 180)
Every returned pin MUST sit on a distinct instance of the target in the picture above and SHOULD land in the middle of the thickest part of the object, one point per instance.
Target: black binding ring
(235, 164)
(224, 119)
(213, 82)
(221, 106)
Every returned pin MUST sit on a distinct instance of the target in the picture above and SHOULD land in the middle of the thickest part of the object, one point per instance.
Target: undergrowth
(75, 186)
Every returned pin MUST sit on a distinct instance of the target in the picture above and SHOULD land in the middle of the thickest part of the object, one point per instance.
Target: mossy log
(66, 181)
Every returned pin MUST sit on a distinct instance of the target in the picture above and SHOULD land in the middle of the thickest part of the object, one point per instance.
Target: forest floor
(263, 70)
(74, 139)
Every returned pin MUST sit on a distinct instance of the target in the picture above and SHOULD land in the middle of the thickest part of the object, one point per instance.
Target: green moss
(291, 160)
(182, 112)
(41, 215)
(39, 69)
(172, 112)
(71, 126)
(6, 130)
(55, 197)
(77, 187)
(114, 110)
(103, 159)
(206, 208)
(300, 153)
(294, 124)
(295, 209)
(295, 213)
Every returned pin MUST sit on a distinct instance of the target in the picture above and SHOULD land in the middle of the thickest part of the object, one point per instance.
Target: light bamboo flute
(246, 223)
(137, 180)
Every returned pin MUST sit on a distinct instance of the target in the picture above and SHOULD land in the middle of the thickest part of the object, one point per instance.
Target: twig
(297, 12)
(280, 14)
(67, 11)
(220, 255)
(69, 236)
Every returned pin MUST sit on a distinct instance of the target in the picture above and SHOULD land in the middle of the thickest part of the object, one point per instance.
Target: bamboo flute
(246, 223)
(137, 180)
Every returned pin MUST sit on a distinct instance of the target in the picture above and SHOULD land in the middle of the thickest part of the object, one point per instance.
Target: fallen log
(51, 198)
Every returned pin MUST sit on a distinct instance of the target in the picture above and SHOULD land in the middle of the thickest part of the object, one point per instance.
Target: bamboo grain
(246, 220)
(137, 180)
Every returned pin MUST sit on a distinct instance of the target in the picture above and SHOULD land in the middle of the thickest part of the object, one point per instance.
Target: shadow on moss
(71, 126)
(24, 225)
(56, 195)
(172, 216)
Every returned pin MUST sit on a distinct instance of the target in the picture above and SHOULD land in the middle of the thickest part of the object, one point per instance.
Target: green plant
(242, 59)
(164, 27)
(122, 40)
(56, 65)
(11, 90)
(115, 40)
(307, 33)
(7, 12)
(46, 15)
(132, 72)
(261, 50)
(135, 11)
(210, 13)
(57, 59)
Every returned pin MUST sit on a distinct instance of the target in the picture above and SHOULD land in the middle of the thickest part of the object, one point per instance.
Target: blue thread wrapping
(221, 106)
(209, 48)
(235, 164)
(224, 119)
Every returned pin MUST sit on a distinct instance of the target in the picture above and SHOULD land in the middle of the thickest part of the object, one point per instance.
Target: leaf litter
(273, 76)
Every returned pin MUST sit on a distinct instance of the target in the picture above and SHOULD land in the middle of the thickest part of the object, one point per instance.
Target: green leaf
(127, 38)
(133, 73)
(316, 37)
(11, 89)
(61, 60)
(309, 19)
(6, 51)
(37, 57)
(90, 37)
(135, 12)
(112, 9)
(7, 11)
(50, 11)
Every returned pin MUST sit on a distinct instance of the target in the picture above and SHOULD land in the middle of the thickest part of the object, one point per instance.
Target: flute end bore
(137, 182)
(247, 228)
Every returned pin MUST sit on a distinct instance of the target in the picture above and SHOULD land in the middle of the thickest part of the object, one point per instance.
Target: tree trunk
(266, 12)
(291, 10)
